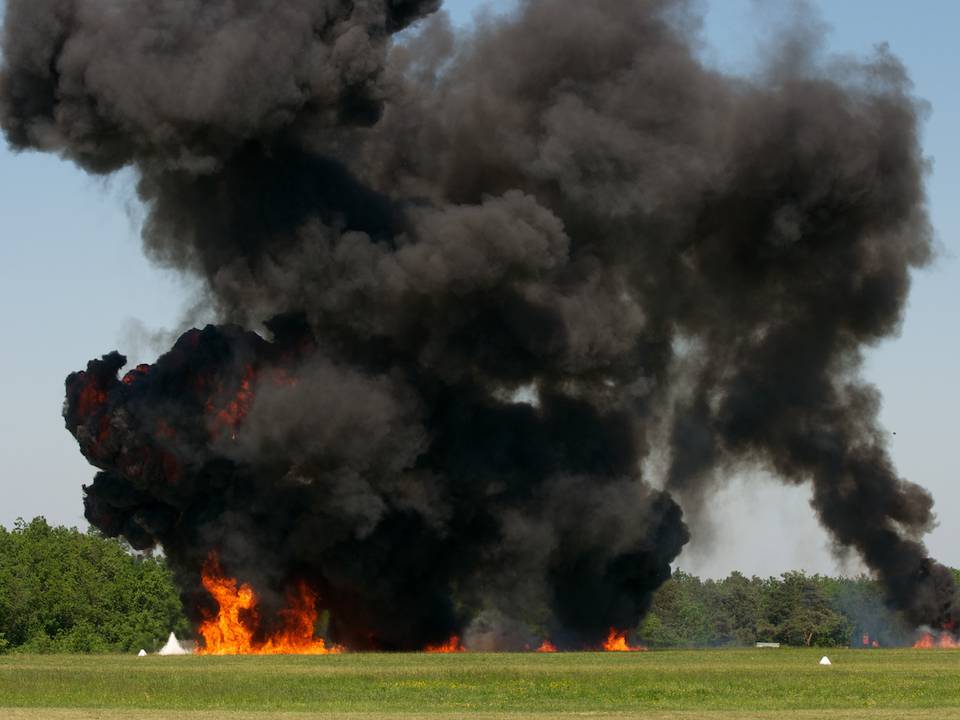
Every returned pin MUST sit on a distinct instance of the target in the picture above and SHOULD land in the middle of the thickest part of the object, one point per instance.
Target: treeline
(66, 591)
(793, 609)
(62, 590)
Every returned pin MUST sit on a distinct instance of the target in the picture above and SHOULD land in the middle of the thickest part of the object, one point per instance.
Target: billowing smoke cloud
(505, 270)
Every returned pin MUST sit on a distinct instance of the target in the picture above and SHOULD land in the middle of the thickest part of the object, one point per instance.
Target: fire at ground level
(234, 630)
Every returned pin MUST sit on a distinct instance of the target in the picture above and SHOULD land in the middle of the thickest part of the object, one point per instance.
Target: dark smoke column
(502, 271)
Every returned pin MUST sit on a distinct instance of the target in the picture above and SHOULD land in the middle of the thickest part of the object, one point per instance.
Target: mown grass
(722, 684)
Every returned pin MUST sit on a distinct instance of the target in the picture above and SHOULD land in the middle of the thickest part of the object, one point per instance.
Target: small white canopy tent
(142, 653)
(825, 661)
(173, 647)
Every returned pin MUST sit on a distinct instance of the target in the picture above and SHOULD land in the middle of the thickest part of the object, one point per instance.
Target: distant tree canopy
(793, 609)
(62, 590)
(65, 591)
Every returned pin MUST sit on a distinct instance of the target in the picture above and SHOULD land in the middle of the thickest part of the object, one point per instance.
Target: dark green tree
(798, 611)
(680, 615)
(736, 603)
(65, 591)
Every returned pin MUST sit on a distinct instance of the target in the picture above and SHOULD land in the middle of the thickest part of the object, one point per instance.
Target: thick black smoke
(511, 273)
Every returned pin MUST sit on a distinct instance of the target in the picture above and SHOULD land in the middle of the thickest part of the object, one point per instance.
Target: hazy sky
(73, 285)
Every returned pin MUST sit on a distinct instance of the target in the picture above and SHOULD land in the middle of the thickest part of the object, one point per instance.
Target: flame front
(944, 641)
(234, 408)
(617, 642)
(233, 631)
(547, 647)
(452, 645)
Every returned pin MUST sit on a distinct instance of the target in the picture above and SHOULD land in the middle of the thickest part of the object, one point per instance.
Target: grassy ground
(719, 685)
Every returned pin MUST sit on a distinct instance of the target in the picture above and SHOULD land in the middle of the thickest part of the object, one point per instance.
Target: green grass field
(688, 684)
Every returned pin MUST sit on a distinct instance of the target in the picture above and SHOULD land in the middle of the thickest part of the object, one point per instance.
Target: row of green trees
(793, 609)
(66, 591)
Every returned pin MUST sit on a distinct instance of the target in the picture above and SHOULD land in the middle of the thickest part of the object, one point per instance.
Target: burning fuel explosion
(232, 631)
(493, 306)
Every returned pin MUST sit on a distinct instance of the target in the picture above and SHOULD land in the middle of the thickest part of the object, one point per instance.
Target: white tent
(142, 653)
(825, 661)
(173, 647)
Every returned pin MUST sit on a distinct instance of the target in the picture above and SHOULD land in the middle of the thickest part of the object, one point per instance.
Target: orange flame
(928, 642)
(227, 411)
(233, 630)
(91, 398)
(547, 647)
(450, 646)
(133, 375)
(228, 417)
(617, 642)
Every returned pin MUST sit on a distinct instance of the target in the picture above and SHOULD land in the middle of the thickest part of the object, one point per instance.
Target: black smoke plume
(511, 274)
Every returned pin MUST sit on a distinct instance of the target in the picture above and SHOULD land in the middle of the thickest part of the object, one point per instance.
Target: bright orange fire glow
(928, 642)
(547, 647)
(617, 642)
(233, 630)
(227, 418)
(91, 399)
(133, 375)
(450, 646)
(227, 411)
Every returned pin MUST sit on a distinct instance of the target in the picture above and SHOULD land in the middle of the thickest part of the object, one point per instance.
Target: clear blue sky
(72, 280)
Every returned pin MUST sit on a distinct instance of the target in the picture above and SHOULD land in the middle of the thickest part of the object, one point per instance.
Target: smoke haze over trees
(794, 609)
(528, 292)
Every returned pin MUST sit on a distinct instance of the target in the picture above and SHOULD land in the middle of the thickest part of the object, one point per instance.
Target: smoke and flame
(547, 647)
(235, 409)
(617, 642)
(943, 640)
(408, 263)
(234, 629)
(453, 645)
